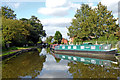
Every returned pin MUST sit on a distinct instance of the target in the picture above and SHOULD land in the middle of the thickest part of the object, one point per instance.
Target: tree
(58, 37)
(118, 33)
(80, 25)
(8, 13)
(20, 32)
(90, 23)
(14, 31)
(49, 39)
(37, 29)
(106, 23)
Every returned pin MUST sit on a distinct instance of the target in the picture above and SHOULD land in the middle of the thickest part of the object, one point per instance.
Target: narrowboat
(86, 49)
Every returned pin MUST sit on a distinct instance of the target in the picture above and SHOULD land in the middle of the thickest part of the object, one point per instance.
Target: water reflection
(24, 65)
(80, 70)
(85, 67)
(48, 50)
(44, 64)
(54, 68)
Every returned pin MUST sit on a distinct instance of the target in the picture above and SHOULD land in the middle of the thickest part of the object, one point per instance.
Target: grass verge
(12, 50)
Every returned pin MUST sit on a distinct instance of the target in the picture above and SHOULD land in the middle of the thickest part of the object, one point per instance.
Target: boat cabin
(85, 46)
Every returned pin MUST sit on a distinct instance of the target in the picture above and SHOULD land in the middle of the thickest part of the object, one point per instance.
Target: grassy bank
(12, 50)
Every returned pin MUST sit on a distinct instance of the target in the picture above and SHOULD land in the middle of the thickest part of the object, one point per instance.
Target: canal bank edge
(18, 52)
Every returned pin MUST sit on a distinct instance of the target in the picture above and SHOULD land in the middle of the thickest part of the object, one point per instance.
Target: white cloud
(52, 25)
(54, 11)
(58, 7)
(50, 30)
(51, 69)
(58, 22)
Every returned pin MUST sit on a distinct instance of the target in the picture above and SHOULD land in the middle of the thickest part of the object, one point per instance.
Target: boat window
(63, 47)
(69, 57)
(92, 47)
(74, 58)
(82, 47)
(69, 47)
(106, 47)
(82, 59)
(93, 61)
(63, 56)
(74, 47)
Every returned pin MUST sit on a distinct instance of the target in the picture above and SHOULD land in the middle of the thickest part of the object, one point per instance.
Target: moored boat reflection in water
(85, 67)
(87, 60)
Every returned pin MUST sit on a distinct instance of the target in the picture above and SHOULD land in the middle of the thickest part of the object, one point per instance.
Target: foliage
(55, 42)
(8, 13)
(39, 50)
(7, 53)
(15, 48)
(62, 42)
(76, 41)
(37, 28)
(118, 33)
(48, 50)
(93, 23)
(20, 32)
(30, 43)
(14, 31)
(40, 41)
(58, 37)
(49, 39)
(57, 60)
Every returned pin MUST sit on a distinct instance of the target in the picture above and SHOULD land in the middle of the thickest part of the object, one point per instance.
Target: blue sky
(26, 9)
(55, 14)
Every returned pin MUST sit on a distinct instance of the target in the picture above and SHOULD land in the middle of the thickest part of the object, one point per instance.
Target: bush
(30, 43)
(55, 42)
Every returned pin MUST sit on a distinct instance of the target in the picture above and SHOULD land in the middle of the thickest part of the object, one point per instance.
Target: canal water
(45, 64)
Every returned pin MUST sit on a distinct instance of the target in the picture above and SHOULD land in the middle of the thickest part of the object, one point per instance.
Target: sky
(55, 15)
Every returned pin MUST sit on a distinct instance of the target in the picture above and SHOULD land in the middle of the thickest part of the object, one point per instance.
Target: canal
(44, 64)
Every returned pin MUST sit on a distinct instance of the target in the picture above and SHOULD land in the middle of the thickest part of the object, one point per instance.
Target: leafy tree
(8, 13)
(49, 39)
(14, 31)
(90, 23)
(118, 33)
(76, 41)
(58, 37)
(40, 40)
(20, 32)
(106, 23)
(37, 29)
(80, 25)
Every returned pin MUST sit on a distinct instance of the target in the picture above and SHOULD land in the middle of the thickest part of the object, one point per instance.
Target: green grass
(6, 53)
(11, 50)
(15, 48)
(118, 51)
